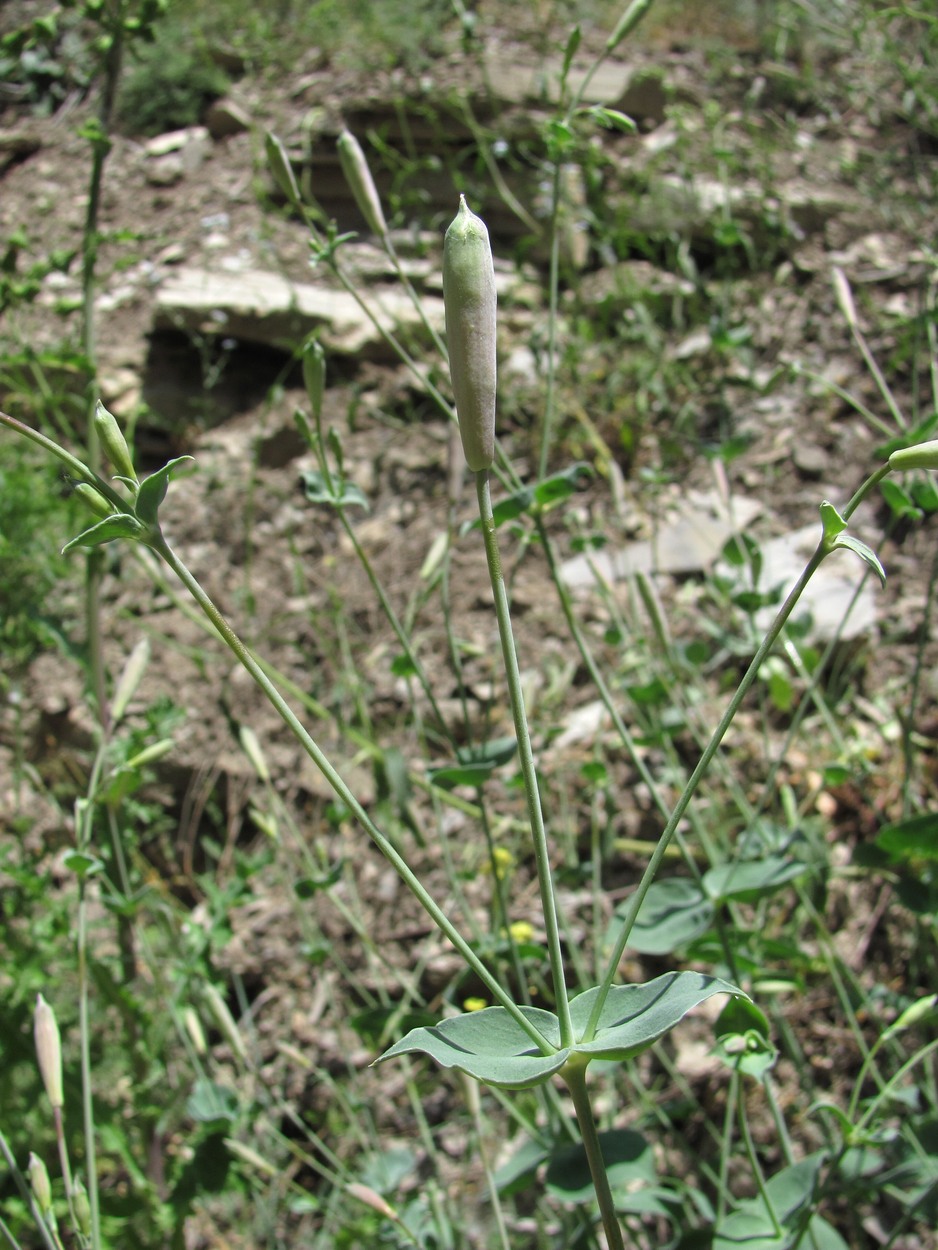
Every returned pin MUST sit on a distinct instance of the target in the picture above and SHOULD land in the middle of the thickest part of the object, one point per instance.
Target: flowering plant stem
(545, 879)
(574, 1072)
(246, 658)
(574, 1076)
(824, 548)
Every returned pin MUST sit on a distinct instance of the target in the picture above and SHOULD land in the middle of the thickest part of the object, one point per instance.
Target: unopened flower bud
(314, 375)
(281, 168)
(82, 1208)
(93, 499)
(113, 442)
(627, 22)
(469, 298)
(358, 176)
(39, 1183)
(921, 456)
(48, 1050)
(371, 1198)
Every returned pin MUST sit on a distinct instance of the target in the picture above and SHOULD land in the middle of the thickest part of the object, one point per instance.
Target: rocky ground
(707, 376)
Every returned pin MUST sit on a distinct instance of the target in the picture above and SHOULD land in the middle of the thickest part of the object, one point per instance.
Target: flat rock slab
(262, 307)
(839, 602)
(689, 542)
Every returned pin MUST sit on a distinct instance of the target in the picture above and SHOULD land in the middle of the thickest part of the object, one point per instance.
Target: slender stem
(91, 1167)
(77, 468)
(750, 1148)
(574, 1076)
(341, 788)
(694, 780)
(26, 1193)
(545, 878)
(823, 549)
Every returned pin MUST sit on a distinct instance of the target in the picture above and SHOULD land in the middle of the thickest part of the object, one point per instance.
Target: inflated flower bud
(627, 22)
(113, 443)
(358, 176)
(469, 297)
(93, 499)
(921, 456)
(314, 375)
(39, 1183)
(48, 1050)
(281, 169)
(82, 1208)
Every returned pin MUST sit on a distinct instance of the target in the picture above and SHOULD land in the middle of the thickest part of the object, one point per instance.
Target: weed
(169, 87)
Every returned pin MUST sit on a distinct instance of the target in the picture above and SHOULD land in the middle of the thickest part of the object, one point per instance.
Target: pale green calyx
(921, 456)
(39, 1182)
(48, 1050)
(113, 443)
(469, 298)
(358, 176)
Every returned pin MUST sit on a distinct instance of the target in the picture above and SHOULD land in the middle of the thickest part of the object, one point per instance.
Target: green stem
(823, 549)
(338, 784)
(77, 468)
(574, 1076)
(545, 878)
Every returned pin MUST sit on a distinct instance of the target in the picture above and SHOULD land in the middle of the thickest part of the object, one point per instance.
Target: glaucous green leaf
(673, 913)
(120, 525)
(869, 557)
(634, 1016)
(491, 1045)
(751, 877)
(153, 489)
(629, 1161)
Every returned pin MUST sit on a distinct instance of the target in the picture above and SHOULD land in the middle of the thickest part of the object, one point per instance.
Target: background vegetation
(242, 963)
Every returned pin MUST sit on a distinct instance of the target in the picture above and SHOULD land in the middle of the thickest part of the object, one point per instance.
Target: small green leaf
(673, 913)
(573, 42)
(519, 1172)
(912, 839)
(747, 1052)
(553, 490)
(740, 1015)
(629, 1161)
(490, 1046)
(306, 887)
(120, 525)
(343, 494)
(82, 865)
(611, 119)
(153, 489)
(925, 494)
(751, 878)
(211, 1103)
(461, 775)
(866, 554)
(635, 1016)
(832, 521)
(495, 752)
(899, 500)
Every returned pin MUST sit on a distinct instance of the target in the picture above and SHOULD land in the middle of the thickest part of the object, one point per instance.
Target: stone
(170, 157)
(809, 459)
(262, 307)
(830, 592)
(641, 93)
(689, 541)
(17, 146)
(227, 117)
